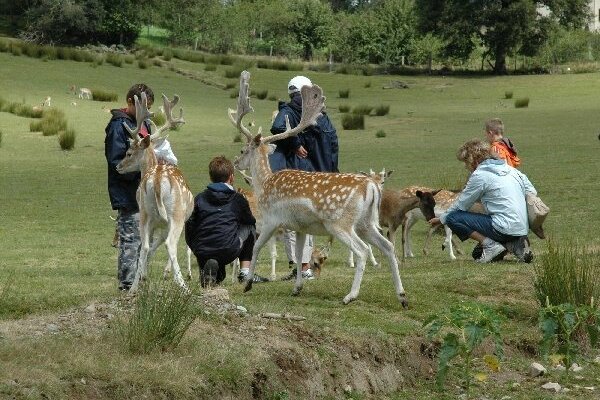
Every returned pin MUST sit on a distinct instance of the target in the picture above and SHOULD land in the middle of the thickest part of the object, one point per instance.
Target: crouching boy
(221, 227)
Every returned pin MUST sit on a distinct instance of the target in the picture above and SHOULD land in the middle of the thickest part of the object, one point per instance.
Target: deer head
(427, 203)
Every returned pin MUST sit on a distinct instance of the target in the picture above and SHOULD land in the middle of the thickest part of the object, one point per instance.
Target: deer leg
(350, 261)
(373, 236)
(359, 248)
(448, 242)
(189, 263)
(273, 244)
(265, 234)
(428, 239)
(372, 257)
(140, 273)
(407, 224)
(300, 242)
(235, 268)
(171, 243)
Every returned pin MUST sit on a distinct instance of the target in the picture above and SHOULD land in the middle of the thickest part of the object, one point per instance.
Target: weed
(0, 138)
(129, 59)
(508, 94)
(344, 94)
(362, 109)
(522, 102)
(161, 316)
(380, 133)
(114, 59)
(467, 326)
(273, 97)
(143, 63)
(566, 274)
(229, 85)
(167, 55)
(66, 139)
(262, 94)
(101, 95)
(368, 84)
(210, 67)
(237, 138)
(233, 72)
(382, 110)
(353, 121)
(52, 122)
(344, 108)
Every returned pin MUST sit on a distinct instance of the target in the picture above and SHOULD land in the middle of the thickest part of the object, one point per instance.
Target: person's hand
(434, 221)
(301, 152)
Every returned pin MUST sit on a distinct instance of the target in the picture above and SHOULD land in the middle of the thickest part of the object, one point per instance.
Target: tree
(311, 24)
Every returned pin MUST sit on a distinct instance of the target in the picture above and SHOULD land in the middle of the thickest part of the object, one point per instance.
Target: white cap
(297, 82)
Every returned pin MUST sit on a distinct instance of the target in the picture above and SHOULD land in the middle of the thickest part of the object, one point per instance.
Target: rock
(575, 367)
(506, 398)
(516, 385)
(52, 328)
(83, 381)
(261, 328)
(348, 389)
(216, 295)
(551, 386)
(559, 367)
(590, 388)
(565, 390)
(90, 309)
(536, 369)
(242, 309)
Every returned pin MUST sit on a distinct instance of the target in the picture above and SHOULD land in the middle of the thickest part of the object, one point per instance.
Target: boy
(502, 147)
(221, 227)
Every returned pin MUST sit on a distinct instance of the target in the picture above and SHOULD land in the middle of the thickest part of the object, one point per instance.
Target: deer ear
(257, 139)
(419, 194)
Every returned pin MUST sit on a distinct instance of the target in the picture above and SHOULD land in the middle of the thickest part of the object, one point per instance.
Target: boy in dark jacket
(122, 187)
(221, 227)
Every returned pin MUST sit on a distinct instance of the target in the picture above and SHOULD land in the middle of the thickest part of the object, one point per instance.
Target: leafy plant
(380, 133)
(102, 95)
(465, 326)
(522, 102)
(114, 59)
(561, 323)
(210, 67)
(353, 121)
(508, 94)
(344, 108)
(368, 84)
(362, 109)
(262, 94)
(66, 139)
(143, 63)
(382, 110)
(344, 94)
(52, 122)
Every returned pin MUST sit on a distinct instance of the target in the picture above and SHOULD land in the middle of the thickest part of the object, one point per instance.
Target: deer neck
(260, 168)
(149, 160)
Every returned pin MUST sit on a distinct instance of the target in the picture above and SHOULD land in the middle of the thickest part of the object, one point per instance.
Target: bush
(143, 63)
(226, 60)
(353, 121)
(4, 45)
(344, 94)
(567, 274)
(64, 53)
(52, 123)
(262, 94)
(522, 102)
(210, 67)
(157, 62)
(233, 72)
(101, 95)
(114, 59)
(344, 108)
(234, 94)
(362, 110)
(16, 49)
(66, 139)
(167, 54)
(229, 85)
(508, 94)
(49, 52)
(380, 133)
(0, 138)
(129, 59)
(368, 84)
(161, 316)
(382, 110)
(273, 97)
(31, 50)
(99, 60)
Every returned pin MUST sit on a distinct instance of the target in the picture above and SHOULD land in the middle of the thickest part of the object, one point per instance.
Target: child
(502, 147)
(221, 227)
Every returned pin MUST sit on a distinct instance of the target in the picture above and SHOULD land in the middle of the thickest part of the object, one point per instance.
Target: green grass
(56, 233)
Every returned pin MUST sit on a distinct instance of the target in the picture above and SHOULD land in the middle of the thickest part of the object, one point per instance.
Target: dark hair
(220, 169)
(137, 89)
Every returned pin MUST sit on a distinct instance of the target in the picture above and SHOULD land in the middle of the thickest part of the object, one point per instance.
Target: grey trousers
(289, 239)
(128, 225)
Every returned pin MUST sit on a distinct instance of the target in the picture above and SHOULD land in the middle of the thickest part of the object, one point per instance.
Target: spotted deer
(345, 206)
(164, 198)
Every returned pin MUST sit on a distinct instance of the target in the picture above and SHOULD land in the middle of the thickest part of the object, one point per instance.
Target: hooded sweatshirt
(501, 189)
(213, 227)
(507, 151)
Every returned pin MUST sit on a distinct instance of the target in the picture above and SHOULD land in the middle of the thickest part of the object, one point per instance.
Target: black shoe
(521, 250)
(291, 264)
(478, 252)
(243, 277)
(208, 275)
(290, 276)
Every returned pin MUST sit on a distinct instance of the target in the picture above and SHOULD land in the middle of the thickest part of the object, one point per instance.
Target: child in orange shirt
(502, 147)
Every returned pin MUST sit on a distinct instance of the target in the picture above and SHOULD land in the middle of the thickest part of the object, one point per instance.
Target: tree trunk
(500, 65)
(307, 52)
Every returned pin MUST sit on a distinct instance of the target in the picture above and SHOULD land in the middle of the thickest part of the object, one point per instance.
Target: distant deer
(164, 198)
(46, 102)
(345, 206)
(82, 93)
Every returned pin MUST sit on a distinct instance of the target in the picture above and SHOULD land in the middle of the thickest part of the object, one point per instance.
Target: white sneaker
(308, 274)
(491, 249)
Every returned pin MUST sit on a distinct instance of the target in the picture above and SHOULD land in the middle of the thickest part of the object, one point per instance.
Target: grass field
(55, 236)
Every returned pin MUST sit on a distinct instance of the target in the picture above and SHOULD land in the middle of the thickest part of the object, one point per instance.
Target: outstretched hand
(434, 221)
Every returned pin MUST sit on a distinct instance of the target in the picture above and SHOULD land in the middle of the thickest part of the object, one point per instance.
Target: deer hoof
(348, 299)
(403, 301)
(296, 291)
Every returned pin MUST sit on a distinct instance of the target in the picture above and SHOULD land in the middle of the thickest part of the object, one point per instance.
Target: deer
(82, 93)
(342, 205)
(164, 197)
(46, 102)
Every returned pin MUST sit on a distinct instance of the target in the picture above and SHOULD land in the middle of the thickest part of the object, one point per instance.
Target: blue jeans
(464, 223)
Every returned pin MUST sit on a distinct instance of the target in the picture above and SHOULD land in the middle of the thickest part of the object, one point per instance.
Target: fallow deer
(164, 198)
(345, 206)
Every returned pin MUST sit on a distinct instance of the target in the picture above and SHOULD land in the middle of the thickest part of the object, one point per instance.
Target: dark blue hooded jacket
(320, 141)
(121, 187)
(213, 227)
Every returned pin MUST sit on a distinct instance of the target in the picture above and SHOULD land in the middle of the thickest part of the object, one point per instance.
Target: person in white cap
(314, 149)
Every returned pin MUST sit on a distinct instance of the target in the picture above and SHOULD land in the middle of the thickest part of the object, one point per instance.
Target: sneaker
(243, 277)
(521, 250)
(478, 251)
(491, 250)
(290, 276)
(208, 275)
(308, 274)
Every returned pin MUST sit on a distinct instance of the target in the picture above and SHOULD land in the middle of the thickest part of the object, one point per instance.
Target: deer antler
(243, 106)
(141, 114)
(168, 111)
(313, 104)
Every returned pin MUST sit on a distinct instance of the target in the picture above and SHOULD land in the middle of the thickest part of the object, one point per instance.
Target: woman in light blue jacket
(501, 189)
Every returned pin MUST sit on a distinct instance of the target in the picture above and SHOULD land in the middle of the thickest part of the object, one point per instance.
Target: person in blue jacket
(314, 149)
(221, 227)
(502, 190)
(122, 187)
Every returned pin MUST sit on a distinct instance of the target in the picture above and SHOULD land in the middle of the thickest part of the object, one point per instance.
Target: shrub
(114, 59)
(157, 62)
(262, 94)
(567, 274)
(64, 53)
(279, 65)
(508, 94)
(382, 110)
(49, 52)
(273, 97)
(31, 50)
(344, 94)
(143, 63)
(522, 102)
(234, 94)
(161, 316)
(353, 121)
(66, 139)
(229, 85)
(99, 60)
(101, 95)
(15, 49)
(52, 123)
(344, 108)
(129, 59)
(380, 133)
(167, 55)
(233, 72)
(4, 46)
(362, 110)
(77, 55)
(210, 67)
(368, 84)
(226, 60)
(0, 138)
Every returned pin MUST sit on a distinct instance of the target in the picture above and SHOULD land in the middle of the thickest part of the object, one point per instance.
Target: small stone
(83, 381)
(348, 389)
(52, 328)
(536, 369)
(506, 398)
(90, 309)
(565, 390)
(575, 368)
(241, 309)
(551, 386)
(559, 367)
(355, 356)
(261, 328)
(516, 385)
(578, 377)
(590, 388)
(597, 360)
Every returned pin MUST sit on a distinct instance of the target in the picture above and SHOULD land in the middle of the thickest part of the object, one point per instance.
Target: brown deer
(345, 206)
(164, 198)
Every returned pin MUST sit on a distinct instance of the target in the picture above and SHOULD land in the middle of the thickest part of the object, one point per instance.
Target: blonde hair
(495, 125)
(473, 152)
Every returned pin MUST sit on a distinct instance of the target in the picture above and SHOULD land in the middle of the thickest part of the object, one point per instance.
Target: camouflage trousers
(128, 225)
